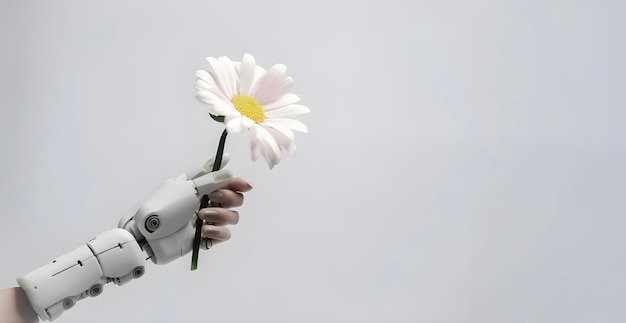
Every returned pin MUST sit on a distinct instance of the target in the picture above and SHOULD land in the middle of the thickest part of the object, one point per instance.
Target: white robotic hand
(162, 224)
(161, 227)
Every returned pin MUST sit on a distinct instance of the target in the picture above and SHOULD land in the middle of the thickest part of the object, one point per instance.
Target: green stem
(220, 152)
(204, 202)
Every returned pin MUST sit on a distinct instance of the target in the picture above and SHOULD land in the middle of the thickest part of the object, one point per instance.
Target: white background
(465, 161)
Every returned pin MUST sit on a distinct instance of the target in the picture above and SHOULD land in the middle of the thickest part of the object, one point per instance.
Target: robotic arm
(160, 229)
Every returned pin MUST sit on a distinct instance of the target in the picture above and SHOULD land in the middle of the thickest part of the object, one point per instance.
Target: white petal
(207, 97)
(283, 101)
(224, 79)
(289, 123)
(216, 104)
(282, 139)
(256, 149)
(239, 123)
(272, 85)
(255, 144)
(206, 81)
(206, 76)
(287, 111)
(248, 123)
(234, 125)
(229, 67)
(246, 74)
(258, 73)
(225, 109)
(269, 155)
(272, 150)
(280, 128)
(201, 85)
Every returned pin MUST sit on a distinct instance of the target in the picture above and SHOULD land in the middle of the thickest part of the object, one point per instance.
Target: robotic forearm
(160, 230)
(112, 256)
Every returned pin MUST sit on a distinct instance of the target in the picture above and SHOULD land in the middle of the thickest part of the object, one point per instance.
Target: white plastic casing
(164, 219)
(112, 256)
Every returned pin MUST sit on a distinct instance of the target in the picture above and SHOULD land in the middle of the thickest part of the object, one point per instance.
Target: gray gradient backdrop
(465, 161)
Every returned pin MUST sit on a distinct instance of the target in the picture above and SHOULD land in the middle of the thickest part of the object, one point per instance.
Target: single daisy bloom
(248, 97)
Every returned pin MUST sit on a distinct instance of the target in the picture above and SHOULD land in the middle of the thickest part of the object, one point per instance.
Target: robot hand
(163, 225)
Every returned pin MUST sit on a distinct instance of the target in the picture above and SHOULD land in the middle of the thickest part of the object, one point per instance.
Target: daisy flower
(245, 96)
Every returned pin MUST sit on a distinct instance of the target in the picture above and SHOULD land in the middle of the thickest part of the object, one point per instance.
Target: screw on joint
(95, 290)
(152, 223)
(68, 303)
(138, 272)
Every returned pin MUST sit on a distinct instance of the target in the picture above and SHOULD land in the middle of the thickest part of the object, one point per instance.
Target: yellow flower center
(249, 107)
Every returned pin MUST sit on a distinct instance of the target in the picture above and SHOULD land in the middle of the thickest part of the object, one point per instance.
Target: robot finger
(207, 167)
(226, 198)
(215, 233)
(219, 216)
(210, 182)
(238, 184)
